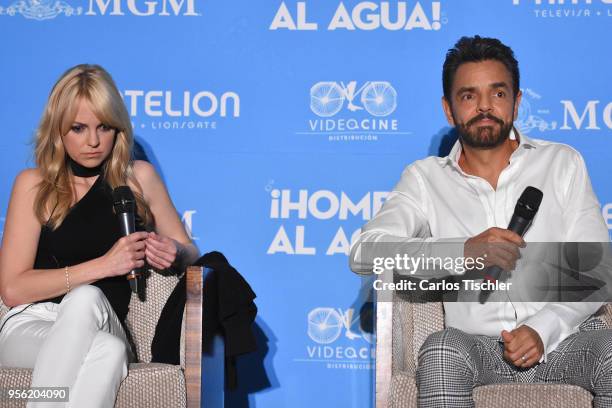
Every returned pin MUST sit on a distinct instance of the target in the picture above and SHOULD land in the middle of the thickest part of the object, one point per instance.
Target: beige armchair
(401, 328)
(149, 384)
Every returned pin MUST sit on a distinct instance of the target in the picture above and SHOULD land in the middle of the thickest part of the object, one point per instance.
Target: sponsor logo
(337, 338)
(187, 220)
(531, 115)
(353, 111)
(364, 16)
(534, 116)
(40, 9)
(170, 110)
(589, 115)
(560, 9)
(48, 9)
(378, 98)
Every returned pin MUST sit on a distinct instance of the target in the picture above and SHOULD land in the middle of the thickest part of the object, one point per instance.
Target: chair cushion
(152, 385)
(532, 395)
(147, 385)
(15, 378)
(403, 394)
(142, 317)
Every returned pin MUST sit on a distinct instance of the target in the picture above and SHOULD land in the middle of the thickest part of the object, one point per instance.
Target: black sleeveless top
(89, 230)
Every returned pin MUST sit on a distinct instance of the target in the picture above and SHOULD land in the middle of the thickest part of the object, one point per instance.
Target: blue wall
(223, 96)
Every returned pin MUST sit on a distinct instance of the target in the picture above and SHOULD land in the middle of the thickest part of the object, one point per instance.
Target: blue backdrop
(259, 116)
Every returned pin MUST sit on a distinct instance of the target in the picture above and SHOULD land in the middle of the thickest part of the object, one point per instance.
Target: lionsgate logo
(337, 339)
(161, 110)
(353, 111)
(49, 9)
(567, 8)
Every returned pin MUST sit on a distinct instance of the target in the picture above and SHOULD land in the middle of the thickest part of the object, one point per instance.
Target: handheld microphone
(124, 204)
(526, 208)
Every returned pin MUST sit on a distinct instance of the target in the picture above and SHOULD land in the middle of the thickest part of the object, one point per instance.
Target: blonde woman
(64, 261)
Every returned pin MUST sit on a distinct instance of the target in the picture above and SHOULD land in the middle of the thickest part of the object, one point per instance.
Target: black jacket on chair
(228, 308)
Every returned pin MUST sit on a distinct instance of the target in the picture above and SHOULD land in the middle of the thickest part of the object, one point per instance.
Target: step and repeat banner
(280, 126)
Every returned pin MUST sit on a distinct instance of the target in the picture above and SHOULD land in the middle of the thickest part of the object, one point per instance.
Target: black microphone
(526, 208)
(124, 204)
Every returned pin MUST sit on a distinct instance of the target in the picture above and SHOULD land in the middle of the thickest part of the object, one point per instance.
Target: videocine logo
(352, 111)
(338, 340)
(48, 9)
(378, 98)
(326, 324)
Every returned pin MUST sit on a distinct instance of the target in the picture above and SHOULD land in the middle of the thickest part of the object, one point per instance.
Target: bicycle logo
(325, 325)
(378, 98)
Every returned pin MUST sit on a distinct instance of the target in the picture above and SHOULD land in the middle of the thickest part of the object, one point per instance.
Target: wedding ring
(524, 359)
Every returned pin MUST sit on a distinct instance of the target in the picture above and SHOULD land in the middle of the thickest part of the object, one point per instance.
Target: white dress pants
(78, 343)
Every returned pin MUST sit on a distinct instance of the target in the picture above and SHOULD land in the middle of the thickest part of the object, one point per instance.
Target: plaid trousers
(451, 363)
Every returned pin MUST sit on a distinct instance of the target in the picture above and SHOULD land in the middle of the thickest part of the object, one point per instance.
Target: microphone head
(529, 203)
(123, 200)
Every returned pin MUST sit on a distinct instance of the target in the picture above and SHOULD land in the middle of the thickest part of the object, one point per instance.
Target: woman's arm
(20, 283)
(171, 244)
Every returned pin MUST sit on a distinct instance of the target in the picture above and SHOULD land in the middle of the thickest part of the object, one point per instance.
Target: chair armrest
(192, 336)
(605, 314)
(384, 344)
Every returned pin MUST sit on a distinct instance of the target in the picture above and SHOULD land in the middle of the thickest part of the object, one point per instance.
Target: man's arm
(584, 223)
(401, 227)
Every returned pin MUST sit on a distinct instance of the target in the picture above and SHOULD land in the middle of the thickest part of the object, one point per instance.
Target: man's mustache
(482, 116)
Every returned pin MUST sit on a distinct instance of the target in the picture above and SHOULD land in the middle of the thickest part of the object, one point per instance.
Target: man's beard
(483, 137)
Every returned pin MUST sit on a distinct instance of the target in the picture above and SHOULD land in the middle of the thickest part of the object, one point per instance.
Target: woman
(64, 261)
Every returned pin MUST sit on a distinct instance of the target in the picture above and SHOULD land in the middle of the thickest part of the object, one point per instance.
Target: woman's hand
(128, 253)
(161, 251)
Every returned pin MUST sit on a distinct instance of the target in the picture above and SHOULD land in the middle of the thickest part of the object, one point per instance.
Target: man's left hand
(523, 346)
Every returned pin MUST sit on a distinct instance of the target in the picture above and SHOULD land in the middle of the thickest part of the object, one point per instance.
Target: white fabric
(78, 343)
(435, 201)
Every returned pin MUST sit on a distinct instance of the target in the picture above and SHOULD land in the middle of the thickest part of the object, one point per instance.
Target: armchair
(149, 384)
(403, 324)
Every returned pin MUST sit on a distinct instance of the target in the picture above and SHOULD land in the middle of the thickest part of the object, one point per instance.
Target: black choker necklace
(82, 171)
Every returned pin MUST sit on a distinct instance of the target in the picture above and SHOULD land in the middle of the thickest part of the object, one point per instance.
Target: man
(469, 197)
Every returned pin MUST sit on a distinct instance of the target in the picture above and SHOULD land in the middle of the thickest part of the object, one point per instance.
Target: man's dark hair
(477, 49)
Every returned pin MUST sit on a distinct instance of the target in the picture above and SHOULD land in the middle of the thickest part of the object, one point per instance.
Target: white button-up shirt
(437, 201)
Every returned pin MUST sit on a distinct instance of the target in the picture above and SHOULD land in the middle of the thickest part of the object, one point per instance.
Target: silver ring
(524, 359)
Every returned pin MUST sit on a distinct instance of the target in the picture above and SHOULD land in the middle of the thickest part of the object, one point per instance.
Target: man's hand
(523, 346)
(498, 247)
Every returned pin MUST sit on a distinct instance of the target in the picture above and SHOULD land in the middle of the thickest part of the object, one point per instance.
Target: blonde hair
(55, 191)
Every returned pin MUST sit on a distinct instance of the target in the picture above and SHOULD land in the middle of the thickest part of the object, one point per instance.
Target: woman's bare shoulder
(27, 180)
(145, 173)
(148, 179)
